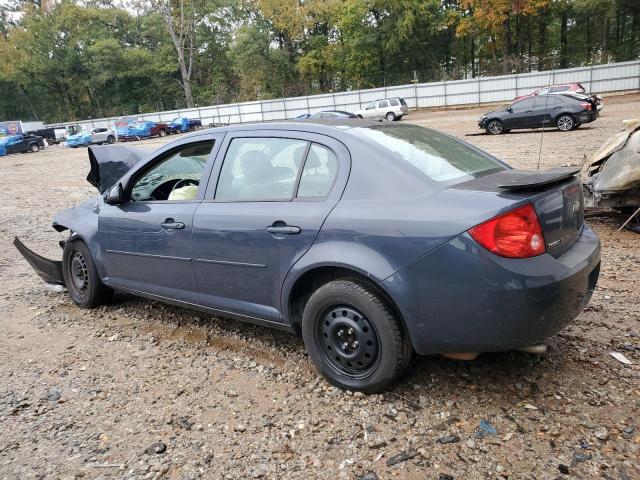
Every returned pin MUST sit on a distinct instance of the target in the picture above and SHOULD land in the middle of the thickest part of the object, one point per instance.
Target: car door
(146, 241)
(520, 114)
(547, 107)
(382, 108)
(16, 145)
(370, 110)
(273, 193)
(98, 135)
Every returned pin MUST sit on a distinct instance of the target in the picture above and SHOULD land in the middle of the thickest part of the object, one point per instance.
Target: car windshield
(435, 155)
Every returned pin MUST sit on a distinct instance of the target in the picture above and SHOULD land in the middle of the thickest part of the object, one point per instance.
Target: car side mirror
(115, 195)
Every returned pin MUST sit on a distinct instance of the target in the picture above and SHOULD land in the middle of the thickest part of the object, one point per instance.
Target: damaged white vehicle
(611, 177)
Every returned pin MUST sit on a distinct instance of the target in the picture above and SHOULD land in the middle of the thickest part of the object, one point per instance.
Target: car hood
(110, 163)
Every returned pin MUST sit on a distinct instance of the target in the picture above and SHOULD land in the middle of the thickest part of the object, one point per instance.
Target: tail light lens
(515, 234)
(586, 105)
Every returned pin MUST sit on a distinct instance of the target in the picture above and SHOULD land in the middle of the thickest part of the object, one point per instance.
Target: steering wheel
(183, 183)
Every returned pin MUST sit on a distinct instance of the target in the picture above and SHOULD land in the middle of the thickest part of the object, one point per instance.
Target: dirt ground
(137, 389)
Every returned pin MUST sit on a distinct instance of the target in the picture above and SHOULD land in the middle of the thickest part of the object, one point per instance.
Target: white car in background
(389, 108)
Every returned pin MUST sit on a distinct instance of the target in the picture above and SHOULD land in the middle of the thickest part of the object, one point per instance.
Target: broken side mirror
(115, 195)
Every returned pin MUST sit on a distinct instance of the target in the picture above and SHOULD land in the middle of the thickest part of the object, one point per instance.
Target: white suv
(390, 108)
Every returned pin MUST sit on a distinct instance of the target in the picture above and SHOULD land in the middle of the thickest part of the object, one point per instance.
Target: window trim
(131, 181)
(294, 197)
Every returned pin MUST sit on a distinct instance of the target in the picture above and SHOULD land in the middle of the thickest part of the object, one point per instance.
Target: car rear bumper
(587, 117)
(461, 298)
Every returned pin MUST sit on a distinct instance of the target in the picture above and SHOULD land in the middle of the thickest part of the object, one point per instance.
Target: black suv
(565, 112)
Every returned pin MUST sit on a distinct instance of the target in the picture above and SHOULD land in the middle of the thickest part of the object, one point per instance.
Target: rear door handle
(284, 230)
(171, 224)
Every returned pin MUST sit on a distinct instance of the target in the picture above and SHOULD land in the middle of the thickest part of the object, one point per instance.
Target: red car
(575, 89)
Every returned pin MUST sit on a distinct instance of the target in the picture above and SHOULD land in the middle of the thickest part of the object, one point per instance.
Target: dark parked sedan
(565, 112)
(373, 240)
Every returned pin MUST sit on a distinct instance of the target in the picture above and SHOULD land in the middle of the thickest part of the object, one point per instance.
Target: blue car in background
(183, 125)
(80, 139)
(142, 129)
(375, 240)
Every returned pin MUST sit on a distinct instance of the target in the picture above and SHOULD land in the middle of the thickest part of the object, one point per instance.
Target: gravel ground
(142, 390)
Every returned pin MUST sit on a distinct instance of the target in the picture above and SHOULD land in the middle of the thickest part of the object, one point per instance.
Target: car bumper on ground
(482, 123)
(461, 298)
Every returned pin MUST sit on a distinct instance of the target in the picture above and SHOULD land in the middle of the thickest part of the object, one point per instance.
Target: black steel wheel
(353, 337)
(81, 277)
(348, 341)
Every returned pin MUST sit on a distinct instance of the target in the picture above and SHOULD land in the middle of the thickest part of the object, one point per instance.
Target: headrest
(254, 164)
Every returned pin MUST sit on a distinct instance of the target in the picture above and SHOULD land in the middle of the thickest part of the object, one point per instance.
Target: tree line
(71, 59)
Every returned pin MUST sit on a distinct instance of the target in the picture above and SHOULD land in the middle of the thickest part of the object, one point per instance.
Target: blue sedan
(373, 240)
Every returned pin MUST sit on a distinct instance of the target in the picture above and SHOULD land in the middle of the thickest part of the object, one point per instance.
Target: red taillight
(586, 105)
(515, 234)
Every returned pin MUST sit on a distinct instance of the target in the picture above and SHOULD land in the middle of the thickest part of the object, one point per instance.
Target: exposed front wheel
(565, 123)
(577, 125)
(81, 277)
(353, 338)
(494, 127)
(390, 116)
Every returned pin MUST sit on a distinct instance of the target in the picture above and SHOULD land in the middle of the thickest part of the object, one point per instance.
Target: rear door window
(260, 169)
(383, 104)
(394, 102)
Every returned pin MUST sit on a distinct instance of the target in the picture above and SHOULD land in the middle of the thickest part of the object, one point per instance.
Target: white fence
(613, 77)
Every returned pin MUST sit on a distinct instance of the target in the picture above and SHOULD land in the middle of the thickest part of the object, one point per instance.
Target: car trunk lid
(556, 195)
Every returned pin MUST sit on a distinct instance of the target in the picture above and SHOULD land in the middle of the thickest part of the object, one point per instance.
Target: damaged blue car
(373, 240)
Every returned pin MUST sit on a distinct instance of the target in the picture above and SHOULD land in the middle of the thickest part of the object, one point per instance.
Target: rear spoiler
(529, 180)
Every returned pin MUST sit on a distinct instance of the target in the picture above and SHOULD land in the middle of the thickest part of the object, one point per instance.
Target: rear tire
(494, 127)
(111, 139)
(565, 123)
(353, 338)
(162, 133)
(390, 116)
(81, 277)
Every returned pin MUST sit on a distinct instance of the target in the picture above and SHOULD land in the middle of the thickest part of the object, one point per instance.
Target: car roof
(331, 127)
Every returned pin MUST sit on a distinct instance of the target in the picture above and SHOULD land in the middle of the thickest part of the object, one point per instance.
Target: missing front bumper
(49, 270)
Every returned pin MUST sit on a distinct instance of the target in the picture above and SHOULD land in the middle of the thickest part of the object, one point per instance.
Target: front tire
(162, 133)
(353, 337)
(494, 127)
(81, 277)
(565, 123)
(33, 148)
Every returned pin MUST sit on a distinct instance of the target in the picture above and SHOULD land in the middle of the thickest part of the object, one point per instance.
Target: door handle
(284, 230)
(171, 224)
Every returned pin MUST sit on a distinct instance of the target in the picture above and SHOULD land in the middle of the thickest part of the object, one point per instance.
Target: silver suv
(389, 108)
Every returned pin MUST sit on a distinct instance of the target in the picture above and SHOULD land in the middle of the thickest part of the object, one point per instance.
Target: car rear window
(434, 155)
(402, 101)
